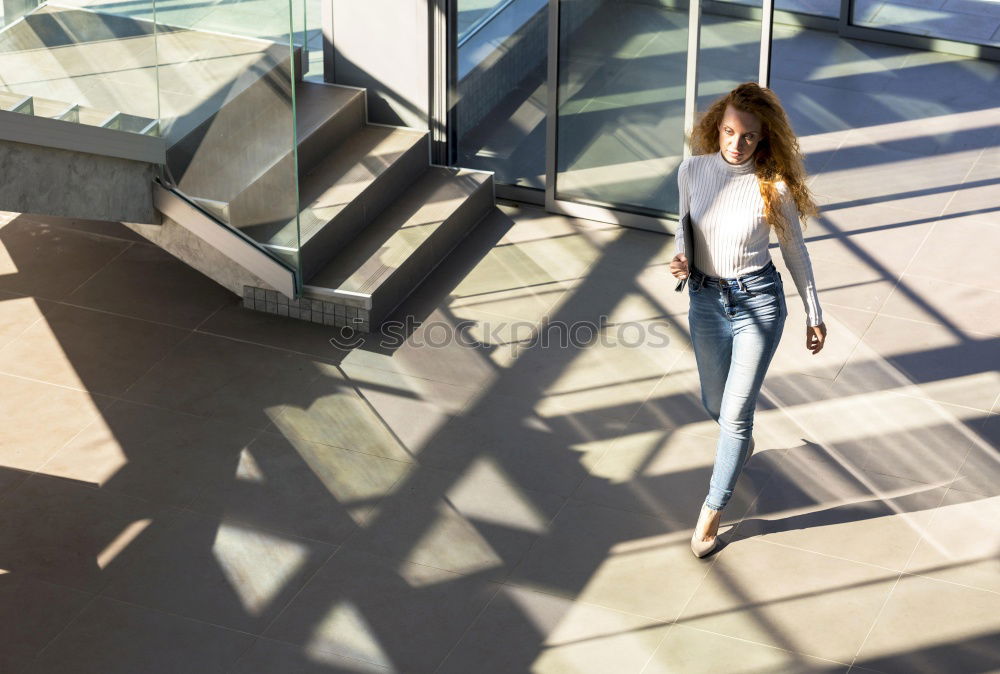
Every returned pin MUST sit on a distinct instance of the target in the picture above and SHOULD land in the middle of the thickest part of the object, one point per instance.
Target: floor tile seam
(402, 557)
(905, 391)
(59, 450)
(455, 475)
(558, 396)
(106, 312)
(588, 473)
(949, 281)
(568, 596)
(330, 650)
(849, 196)
(964, 180)
(454, 310)
(854, 140)
(878, 615)
(636, 472)
(448, 408)
(172, 614)
(326, 360)
(714, 559)
(860, 338)
(913, 574)
(508, 578)
(318, 376)
(914, 213)
(663, 519)
(885, 271)
(854, 470)
(183, 413)
(378, 368)
(968, 492)
(682, 625)
(104, 266)
(197, 328)
(69, 623)
(222, 519)
(921, 321)
(912, 154)
(545, 287)
(752, 604)
(943, 484)
(535, 326)
(293, 435)
(280, 612)
(656, 649)
(333, 359)
(919, 537)
(167, 353)
(468, 628)
(320, 647)
(23, 332)
(243, 654)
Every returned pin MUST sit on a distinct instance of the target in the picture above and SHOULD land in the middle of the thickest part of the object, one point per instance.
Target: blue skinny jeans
(735, 325)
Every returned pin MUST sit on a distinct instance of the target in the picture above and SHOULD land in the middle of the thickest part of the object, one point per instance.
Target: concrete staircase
(375, 217)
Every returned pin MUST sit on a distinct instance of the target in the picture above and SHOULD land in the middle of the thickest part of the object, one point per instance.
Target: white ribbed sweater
(731, 235)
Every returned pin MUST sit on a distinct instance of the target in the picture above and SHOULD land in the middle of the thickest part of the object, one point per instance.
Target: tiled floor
(190, 487)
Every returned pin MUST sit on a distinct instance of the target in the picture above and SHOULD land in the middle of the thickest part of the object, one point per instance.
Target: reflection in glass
(827, 8)
(975, 21)
(730, 55)
(499, 117)
(84, 67)
(620, 132)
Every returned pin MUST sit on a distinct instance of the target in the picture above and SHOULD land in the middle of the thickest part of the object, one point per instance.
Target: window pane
(500, 112)
(974, 21)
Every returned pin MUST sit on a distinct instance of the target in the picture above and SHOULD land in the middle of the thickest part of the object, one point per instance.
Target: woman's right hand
(679, 266)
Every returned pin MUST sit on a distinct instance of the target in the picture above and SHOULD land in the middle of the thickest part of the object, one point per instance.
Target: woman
(745, 180)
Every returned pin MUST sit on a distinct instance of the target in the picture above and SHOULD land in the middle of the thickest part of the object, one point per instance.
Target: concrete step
(45, 107)
(346, 191)
(326, 115)
(245, 133)
(376, 271)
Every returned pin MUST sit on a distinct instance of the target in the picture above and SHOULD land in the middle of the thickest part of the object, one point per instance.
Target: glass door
(626, 78)
(585, 105)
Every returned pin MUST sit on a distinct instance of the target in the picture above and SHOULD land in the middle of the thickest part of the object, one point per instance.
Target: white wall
(382, 45)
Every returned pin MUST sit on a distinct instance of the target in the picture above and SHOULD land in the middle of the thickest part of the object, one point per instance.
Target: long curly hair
(777, 157)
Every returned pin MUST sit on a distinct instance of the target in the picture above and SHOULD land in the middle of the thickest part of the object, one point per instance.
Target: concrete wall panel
(51, 181)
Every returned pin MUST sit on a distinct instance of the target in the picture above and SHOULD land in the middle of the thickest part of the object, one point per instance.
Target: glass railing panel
(79, 63)
(12, 10)
(227, 101)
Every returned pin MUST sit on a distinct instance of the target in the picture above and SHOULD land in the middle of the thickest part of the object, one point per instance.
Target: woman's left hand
(815, 337)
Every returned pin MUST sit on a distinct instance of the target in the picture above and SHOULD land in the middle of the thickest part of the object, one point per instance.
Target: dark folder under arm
(688, 248)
